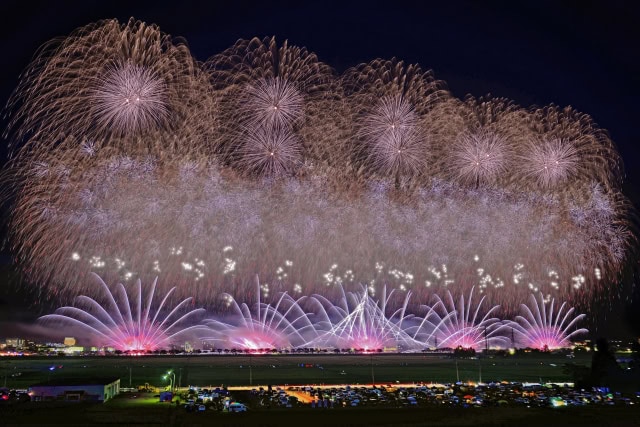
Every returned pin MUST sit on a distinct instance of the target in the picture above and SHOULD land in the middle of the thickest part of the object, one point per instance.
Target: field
(243, 370)
(229, 370)
(147, 411)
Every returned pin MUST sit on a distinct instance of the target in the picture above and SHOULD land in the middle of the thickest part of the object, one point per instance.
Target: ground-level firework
(264, 162)
(540, 326)
(359, 321)
(140, 324)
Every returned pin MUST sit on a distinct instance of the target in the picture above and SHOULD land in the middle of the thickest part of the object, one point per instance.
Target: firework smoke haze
(140, 162)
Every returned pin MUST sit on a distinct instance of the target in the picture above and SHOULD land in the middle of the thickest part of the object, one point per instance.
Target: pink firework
(544, 329)
(283, 324)
(124, 326)
(463, 325)
(129, 99)
(358, 321)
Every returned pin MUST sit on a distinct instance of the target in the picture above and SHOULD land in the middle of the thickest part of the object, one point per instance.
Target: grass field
(239, 370)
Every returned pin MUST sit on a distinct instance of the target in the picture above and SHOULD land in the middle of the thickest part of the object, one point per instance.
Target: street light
(172, 379)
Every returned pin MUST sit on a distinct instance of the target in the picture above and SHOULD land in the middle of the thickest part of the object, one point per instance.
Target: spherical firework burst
(551, 163)
(272, 103)
(125, 326)
(585, 153)
(130, 99)
(479, 158)
(396, 145)
(268, 151)
(268, 90)
(388, 101)
(110, 80)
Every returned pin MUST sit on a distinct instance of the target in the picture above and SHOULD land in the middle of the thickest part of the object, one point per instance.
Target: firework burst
(132, 79)
(358, 321)
(544, 328)
(125, 326)
(465, 324)
(281, 325)
(264, 150)
(392, 135)
(130, 99)
(480, 158)
(270, 152)
(272, 102)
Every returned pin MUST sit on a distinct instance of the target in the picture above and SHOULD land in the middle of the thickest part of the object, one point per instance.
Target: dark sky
(580, 53)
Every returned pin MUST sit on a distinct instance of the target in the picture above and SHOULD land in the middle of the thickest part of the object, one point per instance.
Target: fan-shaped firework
(357, 321)
(378, 167)
(281, 325)
(467, 324)
(125, 326)
(543, 328)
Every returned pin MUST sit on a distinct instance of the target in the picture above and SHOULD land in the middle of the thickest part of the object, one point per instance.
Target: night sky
(579, 53)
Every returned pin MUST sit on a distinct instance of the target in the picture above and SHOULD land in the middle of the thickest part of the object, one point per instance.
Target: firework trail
(128, 325)
(139, 161)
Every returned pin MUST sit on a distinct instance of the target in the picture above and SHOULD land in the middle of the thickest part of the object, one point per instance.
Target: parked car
(237, 407)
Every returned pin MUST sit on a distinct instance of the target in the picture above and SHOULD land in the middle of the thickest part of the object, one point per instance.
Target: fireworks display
(137, 325)
(542, 328)
(360, 321)
(134, 160)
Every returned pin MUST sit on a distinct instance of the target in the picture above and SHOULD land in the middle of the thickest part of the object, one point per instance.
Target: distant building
(76, 390)
(74, 350)
(16, 343)
(188, 348)
(69, 341)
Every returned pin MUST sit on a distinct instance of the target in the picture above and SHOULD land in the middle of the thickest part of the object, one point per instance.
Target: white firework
(270, 151)
(479, 158)
(124, 326)
(544, 328)
(551, 163)
(392, 138)
(129, 98)
(272, 102)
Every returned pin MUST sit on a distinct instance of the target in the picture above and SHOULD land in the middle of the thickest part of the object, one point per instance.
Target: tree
(603, 363)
